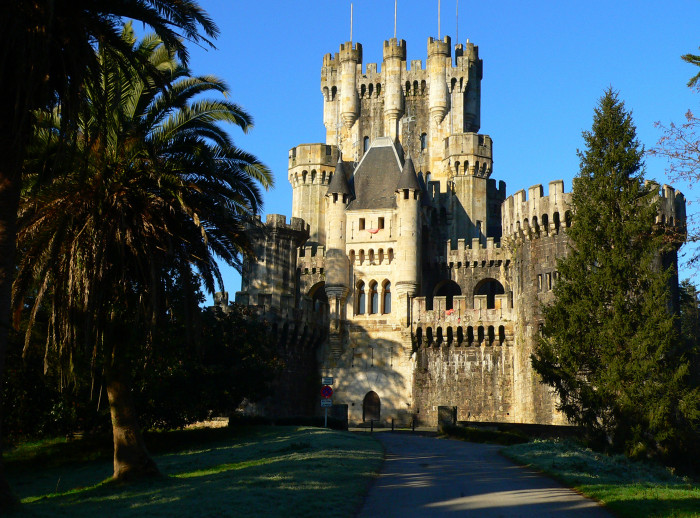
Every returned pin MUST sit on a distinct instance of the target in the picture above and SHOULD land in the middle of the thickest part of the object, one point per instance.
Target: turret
(394, 63)
(337, 199)
(438, 55)
(472, 102)
(350, 57)
(310, 170)
(408, 202)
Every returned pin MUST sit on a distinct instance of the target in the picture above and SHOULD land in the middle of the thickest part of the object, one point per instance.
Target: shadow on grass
(281, 471)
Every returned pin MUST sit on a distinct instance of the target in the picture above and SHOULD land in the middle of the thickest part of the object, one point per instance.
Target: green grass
(627, 488)
(258, 471)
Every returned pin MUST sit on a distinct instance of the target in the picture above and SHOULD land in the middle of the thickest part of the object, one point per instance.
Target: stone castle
(405, 271)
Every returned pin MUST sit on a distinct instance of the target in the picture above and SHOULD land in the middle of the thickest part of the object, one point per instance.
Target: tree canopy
(153, 184)
(610, 344)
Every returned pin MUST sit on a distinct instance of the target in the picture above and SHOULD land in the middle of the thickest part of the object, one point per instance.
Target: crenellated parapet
(311, 260)
(469, 154)
(534, 215)
(472, 253)
(468, 321)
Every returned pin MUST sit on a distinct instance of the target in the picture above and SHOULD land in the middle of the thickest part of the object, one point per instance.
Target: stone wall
(478, 380)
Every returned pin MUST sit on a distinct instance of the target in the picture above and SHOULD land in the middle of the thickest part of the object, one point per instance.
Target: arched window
(371, 257)
(373, 298)
(501, 334)
(361, 298)
(362, 256)
(545, 223)
(386, 298)
(490, 288)
(423, 141)
(447, 289)
(391, 255)
(365, 144)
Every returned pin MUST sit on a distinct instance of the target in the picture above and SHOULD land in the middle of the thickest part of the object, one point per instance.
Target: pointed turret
(409, 194)
(408, 179)
(339, 183)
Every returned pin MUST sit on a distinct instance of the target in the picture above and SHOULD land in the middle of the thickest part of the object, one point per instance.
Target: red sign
(326, 391)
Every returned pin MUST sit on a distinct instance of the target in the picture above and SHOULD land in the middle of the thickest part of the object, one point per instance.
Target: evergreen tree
(610, 346)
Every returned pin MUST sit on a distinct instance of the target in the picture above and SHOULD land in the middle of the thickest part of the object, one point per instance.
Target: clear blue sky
(545, 65)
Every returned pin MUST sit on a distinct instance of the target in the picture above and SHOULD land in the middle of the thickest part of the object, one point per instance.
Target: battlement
(350, 52)
(464, 309)
(473, 253)
(306, 314)
(469, 154)
(394, 48)
(534, 214)
(279, 222)
(439, 47)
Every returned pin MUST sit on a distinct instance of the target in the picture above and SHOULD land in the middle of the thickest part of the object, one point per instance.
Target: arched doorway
(319, 298)
(447, 289)
(490, 288)
(371, 406)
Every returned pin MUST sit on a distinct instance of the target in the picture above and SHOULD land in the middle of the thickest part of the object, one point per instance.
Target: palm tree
(46, 50)
(155, 183)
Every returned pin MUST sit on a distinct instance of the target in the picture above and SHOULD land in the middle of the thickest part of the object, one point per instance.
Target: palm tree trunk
(131, 459)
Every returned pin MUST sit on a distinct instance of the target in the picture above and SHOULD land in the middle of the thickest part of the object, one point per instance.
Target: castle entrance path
(425, 476)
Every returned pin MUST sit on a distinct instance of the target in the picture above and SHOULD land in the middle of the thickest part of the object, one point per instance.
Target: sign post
(326, 393)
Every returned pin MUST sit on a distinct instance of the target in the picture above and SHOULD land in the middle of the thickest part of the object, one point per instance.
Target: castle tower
(472, 96)
(438, 56)
(408, 203)
(394, 63)
(350, 57)
(310, 170)
(337, 288)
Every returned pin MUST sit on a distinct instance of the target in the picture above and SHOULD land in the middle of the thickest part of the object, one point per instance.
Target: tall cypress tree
(609, 342)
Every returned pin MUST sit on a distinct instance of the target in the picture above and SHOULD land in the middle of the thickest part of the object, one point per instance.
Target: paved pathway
(424, 476)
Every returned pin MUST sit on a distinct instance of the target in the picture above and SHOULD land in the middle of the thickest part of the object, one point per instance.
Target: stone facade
(419, 280)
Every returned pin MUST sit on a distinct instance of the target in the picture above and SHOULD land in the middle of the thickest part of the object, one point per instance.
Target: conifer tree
(609, 343)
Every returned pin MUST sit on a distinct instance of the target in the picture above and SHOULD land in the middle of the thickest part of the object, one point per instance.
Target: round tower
(472, 104)
(349, 59)
(438, 54)
(394, 63)
(408, 245)
(337, 199)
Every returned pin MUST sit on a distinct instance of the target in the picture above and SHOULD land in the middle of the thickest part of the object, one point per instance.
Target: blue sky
(546, 64)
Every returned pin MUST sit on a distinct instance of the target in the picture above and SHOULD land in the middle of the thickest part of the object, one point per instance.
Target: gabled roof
(377, 176)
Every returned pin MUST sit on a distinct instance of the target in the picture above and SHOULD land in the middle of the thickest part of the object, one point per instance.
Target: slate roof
(408, 179)
(339, 182)
(377, 176)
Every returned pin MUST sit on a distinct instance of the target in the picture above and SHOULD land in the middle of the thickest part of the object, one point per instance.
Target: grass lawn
(628, 489)
(259, 471)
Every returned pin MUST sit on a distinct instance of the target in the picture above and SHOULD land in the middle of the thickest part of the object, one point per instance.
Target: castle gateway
(405, 272)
